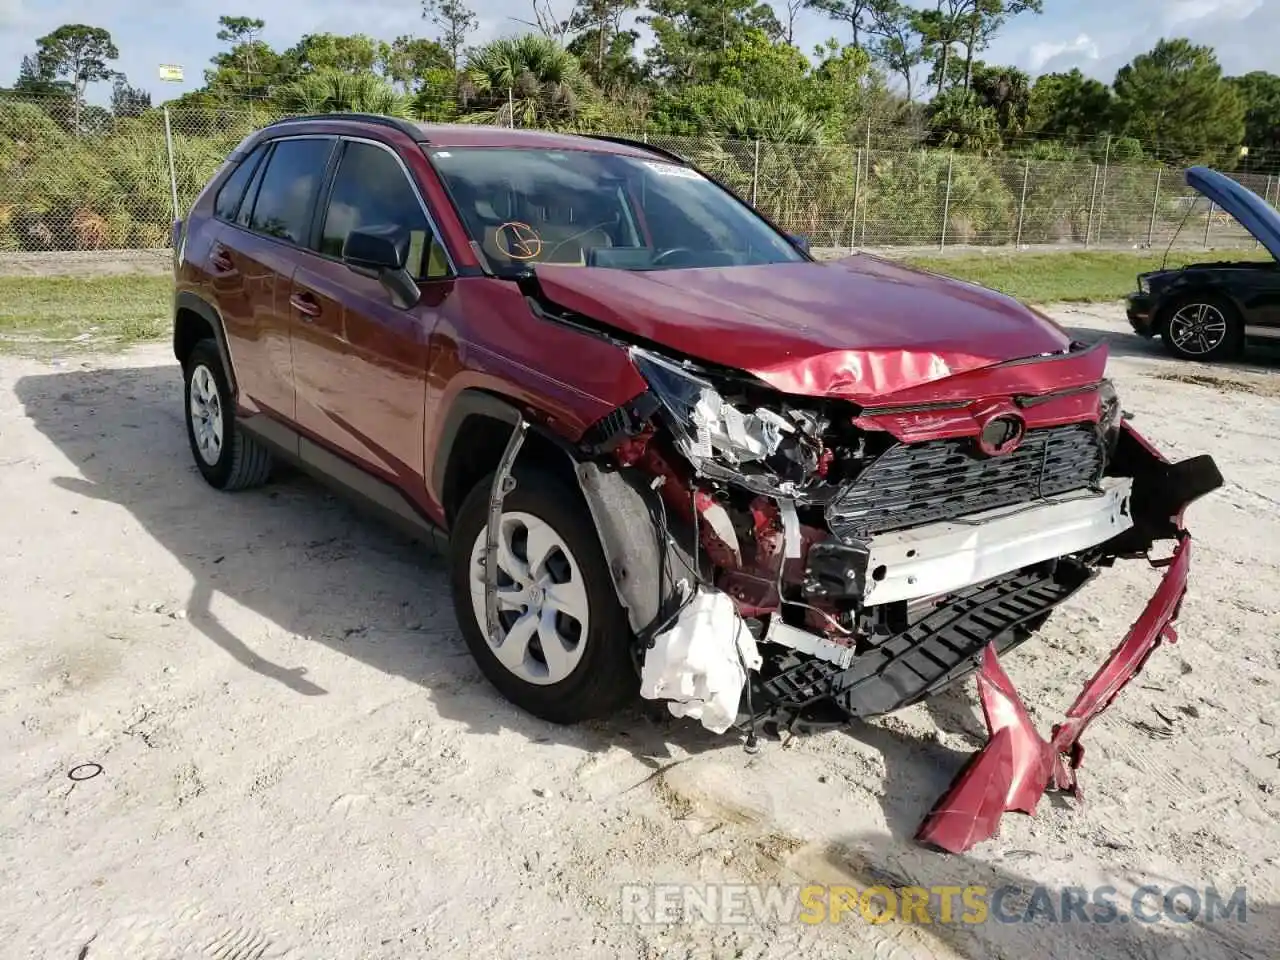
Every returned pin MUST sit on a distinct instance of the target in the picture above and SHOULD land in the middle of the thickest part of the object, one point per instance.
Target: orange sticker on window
(519, 241)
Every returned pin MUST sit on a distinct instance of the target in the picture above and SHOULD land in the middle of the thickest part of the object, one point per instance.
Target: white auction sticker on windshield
(672, 170)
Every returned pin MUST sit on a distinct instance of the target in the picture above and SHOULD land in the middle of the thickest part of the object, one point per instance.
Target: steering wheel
(668, 252)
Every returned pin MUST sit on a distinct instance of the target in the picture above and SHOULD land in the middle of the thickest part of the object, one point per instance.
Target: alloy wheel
(205, 410)
(543, 610)
(1198, 329)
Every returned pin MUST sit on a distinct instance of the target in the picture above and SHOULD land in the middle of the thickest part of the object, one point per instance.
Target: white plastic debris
(700, 663)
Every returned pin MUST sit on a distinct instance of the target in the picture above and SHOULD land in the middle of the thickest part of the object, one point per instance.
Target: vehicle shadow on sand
(315, 567)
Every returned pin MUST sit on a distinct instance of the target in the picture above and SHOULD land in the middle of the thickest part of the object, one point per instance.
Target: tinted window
(287, 196)
(371, 189)
(601, 209)
(232, 192)
(250, 195)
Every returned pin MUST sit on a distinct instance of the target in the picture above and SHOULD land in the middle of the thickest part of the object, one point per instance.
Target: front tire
(227, 457)
(1202, 327)
(565, 654)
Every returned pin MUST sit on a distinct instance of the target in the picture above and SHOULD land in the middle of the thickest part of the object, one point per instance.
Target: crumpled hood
(857, 328)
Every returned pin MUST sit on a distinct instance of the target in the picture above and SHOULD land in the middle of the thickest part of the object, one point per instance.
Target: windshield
(525, 207)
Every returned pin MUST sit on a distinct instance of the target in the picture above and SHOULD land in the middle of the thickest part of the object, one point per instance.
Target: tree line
(728, 67)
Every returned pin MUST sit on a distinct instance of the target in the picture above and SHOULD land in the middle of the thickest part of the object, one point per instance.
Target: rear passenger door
(252, 261)
(359, 360)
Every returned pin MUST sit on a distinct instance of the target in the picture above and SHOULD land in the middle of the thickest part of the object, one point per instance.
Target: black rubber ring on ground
(92, 770)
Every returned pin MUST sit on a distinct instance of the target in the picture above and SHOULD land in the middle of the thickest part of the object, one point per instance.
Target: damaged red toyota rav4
(669, 451)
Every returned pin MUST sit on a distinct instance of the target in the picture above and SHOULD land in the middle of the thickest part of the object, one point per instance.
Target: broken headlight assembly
(776, 452)
(1110, 414)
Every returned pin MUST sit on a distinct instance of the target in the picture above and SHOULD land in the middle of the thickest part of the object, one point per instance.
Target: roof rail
(404, 126)
(640, 145)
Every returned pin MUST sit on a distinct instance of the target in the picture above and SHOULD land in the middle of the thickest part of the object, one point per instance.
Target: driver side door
(360, 361)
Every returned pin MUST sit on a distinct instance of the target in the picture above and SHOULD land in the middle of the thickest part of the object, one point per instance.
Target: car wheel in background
(1202, 327)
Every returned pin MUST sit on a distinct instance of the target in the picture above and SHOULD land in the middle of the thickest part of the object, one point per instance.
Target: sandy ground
(299, 759)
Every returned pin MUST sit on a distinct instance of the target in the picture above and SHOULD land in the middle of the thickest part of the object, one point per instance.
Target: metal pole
(946, 203)
(857, 193)
(1022, 204)
(1102, 192)
(1093, 196)
(1155, 205)
(173, 175)
(1208, 222)
(755, 175)
(866, 201)
(511, 109)
(1266, 197)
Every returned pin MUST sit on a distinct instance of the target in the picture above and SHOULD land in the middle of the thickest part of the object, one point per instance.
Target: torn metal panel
(811, 643)
(1016, 767)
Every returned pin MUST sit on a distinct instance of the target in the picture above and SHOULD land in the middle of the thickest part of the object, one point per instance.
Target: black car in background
(1207, 311)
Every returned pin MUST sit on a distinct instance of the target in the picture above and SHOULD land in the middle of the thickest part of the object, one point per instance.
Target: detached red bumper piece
(1012, 772)
(1016, 767)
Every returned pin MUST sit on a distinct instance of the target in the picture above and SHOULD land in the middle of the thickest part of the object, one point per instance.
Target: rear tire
(227, 457)
(1203, 327)
(559, 598)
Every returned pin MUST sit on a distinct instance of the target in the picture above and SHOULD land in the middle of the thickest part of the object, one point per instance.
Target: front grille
(918, 483)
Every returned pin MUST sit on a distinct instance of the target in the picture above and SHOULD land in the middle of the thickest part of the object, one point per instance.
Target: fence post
(1155, 205)
(1208, 222)
(755, 174)
(1022, 204)
(1266, 198)
(173, 176)
(1093, 196)
(1102, 190)
(866, 200)
(857, 194)
(946, 203)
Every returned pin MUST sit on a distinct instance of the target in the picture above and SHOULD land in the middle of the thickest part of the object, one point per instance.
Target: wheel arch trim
(621, 505)
(186, 300)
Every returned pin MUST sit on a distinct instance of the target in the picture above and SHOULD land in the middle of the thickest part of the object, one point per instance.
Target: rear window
(287, 197)
(230, 196)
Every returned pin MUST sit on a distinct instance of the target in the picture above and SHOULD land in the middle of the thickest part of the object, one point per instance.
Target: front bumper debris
(1016, 767)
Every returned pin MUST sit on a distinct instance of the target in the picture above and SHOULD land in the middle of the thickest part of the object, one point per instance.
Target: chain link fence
(111, 184)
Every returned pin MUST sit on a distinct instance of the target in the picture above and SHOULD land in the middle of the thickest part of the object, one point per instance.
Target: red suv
(669, 451)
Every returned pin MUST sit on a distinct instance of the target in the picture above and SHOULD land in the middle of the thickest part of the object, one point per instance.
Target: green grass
(1052, 277)
(43, 313)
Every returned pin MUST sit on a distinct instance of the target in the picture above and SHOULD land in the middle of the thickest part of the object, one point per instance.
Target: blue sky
(1098, 36)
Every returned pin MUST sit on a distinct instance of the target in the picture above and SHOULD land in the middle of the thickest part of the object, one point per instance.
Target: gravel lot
(299, 759)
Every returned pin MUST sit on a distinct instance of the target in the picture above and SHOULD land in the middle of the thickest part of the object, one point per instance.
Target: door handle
(305, 304)
(222, 261)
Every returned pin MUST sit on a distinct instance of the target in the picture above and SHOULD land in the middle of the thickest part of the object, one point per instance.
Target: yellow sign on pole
(171, 72)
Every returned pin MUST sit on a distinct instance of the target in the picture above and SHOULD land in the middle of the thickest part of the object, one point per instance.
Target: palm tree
(333, 91)
(524, 81)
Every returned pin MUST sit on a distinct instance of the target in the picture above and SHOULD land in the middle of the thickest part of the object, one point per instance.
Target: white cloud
(1179, 12)
(1082, 47)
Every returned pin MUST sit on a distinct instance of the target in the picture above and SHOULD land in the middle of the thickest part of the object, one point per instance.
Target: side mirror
(381, 252)
(800, 240)
(376, 248)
